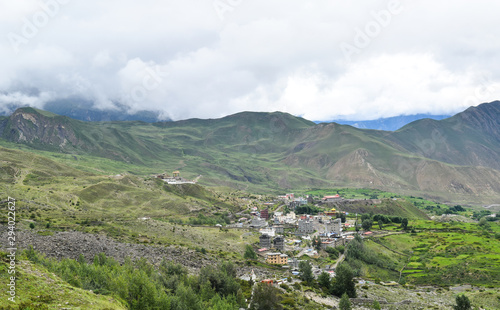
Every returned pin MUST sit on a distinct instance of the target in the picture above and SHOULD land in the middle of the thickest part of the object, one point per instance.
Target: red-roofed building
(331, 198)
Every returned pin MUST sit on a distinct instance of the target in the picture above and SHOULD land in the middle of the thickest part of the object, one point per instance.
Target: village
(290, 232)
(299, 235)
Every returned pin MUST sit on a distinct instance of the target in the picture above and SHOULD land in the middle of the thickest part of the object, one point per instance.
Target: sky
(319, 59)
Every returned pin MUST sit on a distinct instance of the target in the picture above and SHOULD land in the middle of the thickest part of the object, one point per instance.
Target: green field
(445, 258)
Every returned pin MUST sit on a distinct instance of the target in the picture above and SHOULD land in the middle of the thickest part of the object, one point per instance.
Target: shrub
(463, 303)
(345, 303)
(285, 287)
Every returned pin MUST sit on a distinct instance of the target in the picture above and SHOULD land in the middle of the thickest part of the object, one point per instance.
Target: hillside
(385, 206)
(62, 197)
(470, 138)
(454, 159)
(37, 288)
(66, 213)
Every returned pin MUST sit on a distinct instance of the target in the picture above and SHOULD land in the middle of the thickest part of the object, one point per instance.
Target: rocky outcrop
(29, 126)
(71, 244)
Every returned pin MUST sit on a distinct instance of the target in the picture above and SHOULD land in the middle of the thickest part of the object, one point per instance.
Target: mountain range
(454, 159)
(389, 123)
(84, 110)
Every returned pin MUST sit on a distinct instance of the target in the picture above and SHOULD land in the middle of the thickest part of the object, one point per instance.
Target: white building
(270, 231)
(287, 219)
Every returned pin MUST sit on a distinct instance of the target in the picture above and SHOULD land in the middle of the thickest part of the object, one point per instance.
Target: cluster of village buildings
(272, 241)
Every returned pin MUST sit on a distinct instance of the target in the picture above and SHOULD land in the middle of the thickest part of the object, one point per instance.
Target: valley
(89, 203)
(453, 160)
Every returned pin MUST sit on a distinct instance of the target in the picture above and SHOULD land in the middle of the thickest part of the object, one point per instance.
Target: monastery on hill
(175, 178)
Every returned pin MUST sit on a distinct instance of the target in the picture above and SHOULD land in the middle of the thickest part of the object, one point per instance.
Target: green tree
(206, 291)
(483, 222)
(342, 217)
(345, 303)
(222, 279)
(265, 297)
(249, 252)
(344, 281)
(333, 252)
(32, 226)
(463, 303)
(218, 303)
(171, 274)
(367, 224)
(396, 219)
(380, 224)
(404, 223)
(355, 248)
(324, 281)
(385, 219)
(185, 298)
(141, 291)
(306, 274)
(316, 243)
(376, 305)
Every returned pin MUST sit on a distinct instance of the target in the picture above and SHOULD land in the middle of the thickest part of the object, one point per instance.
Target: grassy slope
(71, 199)
(36, 288)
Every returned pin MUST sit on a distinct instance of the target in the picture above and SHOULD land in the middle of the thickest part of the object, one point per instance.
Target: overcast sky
(320, 59)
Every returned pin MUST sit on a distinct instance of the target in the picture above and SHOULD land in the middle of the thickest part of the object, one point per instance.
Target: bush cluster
(139, 285)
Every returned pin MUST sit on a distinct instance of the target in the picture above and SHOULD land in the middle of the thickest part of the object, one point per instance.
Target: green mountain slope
(455, 158)
(470, 138)
(52, 192)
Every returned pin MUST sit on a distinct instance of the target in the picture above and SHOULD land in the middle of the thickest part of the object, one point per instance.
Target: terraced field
(447, 257)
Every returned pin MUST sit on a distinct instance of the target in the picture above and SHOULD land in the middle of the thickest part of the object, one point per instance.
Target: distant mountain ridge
(455, 158)
(85, 111)
(390, 123)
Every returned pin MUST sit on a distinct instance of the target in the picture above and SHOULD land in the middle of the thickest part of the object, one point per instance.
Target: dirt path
(341, 258)
(327, 301)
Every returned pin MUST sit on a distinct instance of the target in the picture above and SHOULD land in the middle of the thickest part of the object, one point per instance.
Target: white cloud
(283, 55)
(20, 99)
